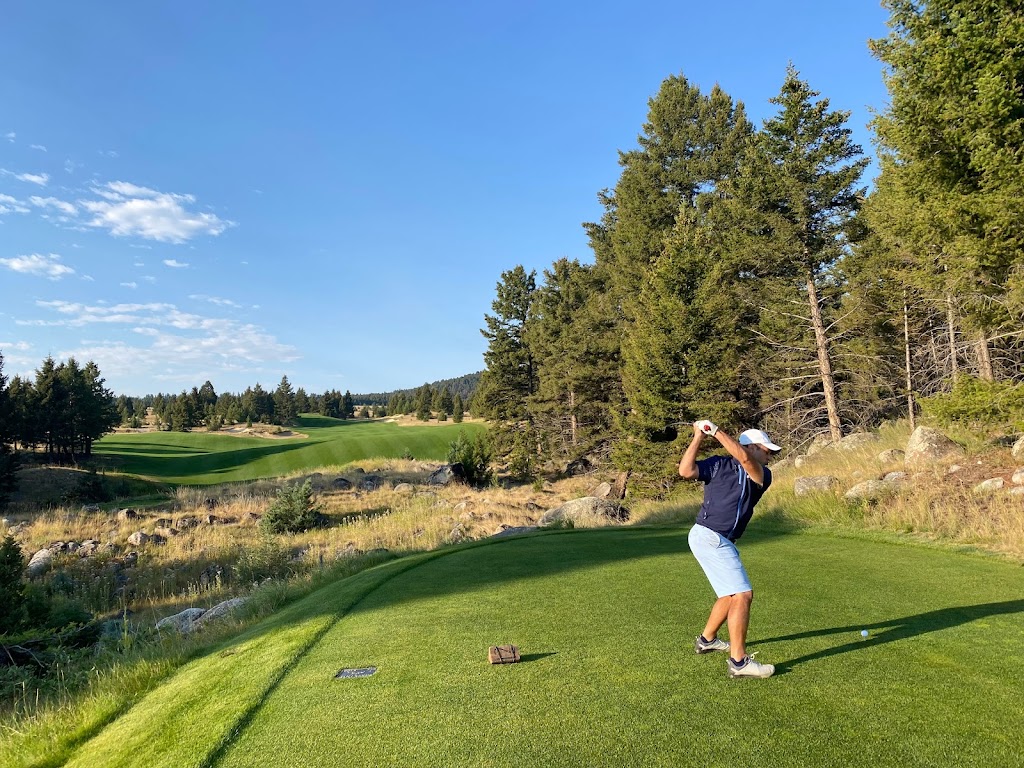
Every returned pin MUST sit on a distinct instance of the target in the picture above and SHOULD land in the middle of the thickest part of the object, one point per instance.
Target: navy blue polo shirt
(729, 495)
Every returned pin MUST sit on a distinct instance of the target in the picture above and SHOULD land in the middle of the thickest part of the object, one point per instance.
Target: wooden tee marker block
(503, 654)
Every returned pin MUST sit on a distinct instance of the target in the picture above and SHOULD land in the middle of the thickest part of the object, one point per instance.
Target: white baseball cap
(758, 437)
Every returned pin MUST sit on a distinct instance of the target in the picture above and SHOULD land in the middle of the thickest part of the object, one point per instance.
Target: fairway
(204, 458)
(605, 620)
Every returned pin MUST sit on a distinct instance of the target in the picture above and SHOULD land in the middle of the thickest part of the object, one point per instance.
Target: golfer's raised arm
(751, 465)
(688, 464)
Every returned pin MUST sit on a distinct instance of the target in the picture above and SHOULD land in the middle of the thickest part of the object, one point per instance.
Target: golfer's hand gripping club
(706, 427)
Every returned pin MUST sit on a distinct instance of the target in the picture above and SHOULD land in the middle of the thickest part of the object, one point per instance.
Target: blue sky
(331, 191)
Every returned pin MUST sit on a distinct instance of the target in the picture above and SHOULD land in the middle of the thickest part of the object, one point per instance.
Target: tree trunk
(951, 327)
(984, 358)
(906, 351)
(824, 361)
(573, 424)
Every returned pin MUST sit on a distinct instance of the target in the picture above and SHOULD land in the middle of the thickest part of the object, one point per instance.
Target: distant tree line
(60, 413)
(463, 386)
(745, 275)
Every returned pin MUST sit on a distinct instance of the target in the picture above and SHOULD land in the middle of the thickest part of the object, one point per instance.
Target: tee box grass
(605, 621)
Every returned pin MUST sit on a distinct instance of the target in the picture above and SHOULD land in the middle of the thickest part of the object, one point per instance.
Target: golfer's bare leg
(719, 613)
(739, 618)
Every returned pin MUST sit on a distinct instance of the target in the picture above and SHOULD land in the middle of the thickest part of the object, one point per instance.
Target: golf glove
(707, 427)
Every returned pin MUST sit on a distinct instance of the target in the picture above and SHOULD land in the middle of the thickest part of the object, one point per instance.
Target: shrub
(266, 560)
(12, 588)
(90, 489)
(974, 403)
(293, 511)
(474, 455)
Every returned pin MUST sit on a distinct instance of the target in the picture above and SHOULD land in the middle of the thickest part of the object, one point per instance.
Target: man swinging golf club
(733, 484)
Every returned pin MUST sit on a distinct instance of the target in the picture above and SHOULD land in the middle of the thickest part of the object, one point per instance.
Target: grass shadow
(892, 630)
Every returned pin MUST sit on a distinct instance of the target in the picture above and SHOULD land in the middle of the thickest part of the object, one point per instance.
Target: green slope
(606, 620)
(210, 458)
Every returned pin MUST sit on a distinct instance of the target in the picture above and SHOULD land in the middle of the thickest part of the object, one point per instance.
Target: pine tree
(284, 402)
(458, 409)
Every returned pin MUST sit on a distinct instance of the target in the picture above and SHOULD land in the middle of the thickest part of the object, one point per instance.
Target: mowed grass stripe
(194, 714)
(606, 621)
(205, 458)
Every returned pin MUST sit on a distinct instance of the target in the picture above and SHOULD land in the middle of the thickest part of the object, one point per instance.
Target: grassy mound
(203, 458)
(605, 620)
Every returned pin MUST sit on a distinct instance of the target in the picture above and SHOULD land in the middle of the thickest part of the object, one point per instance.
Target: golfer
(733, 484)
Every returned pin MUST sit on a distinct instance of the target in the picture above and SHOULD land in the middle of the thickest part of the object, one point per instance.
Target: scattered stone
(1018, 449)
(210, 519)
(857, 441)
(800, 461)
(532, 506)
(786, 463)
(449, 473)
(988, 486)
(91, 508)
(166, 533)
(251, 518)
(131, 559)
(405, 488)
(603, 491)
(163, 522)
(139, 538)
(869, 489)
(819, 444)
(896, 479)
(586, 512)
(127, 514)
(927, 446)
(183, 622)
(210, 503)
(1018, 476)
(460, 506)
(89, 547)
(458, 534)
(467, 516)
(1018, 491)
(953, 469)
(816, 484)
(340, 484)
(219, 611)
(39, 564)
(892, 456)
(371, 482)
(187, 522)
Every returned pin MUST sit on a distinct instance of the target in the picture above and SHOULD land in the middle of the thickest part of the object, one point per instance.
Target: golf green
(605, 620)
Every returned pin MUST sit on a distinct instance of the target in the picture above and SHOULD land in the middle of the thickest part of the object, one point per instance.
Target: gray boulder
(892, 456)
(586, 512)
(449, 473)
(869, 489)
(405, 488)
(819, 444)
(183, 622)
(1018, 449)
(1018, 491)
(219, 611)
(139, 538)
(1018, 476)
(371, 482)
(40, 563)
(603, 491)
(896, 479)
(340, 484)
(801, 461)
(816, 484)
(127, 514)
(857, 441)
(927, 446)
(988, 486)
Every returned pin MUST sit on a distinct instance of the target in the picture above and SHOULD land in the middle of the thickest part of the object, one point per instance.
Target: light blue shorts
(720, 560)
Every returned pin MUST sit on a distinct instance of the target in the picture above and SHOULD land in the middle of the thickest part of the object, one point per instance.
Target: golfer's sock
(738, 664)
(704, 640)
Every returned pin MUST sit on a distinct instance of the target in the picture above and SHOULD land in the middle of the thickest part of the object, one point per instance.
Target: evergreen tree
(284, 402)
(12, 587)
(458, 409)
(510, 377)
(348, 407)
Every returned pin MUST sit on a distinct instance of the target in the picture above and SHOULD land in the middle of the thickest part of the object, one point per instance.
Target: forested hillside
(748, 275)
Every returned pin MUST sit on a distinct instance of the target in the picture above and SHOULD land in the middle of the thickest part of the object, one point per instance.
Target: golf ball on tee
(863, 633)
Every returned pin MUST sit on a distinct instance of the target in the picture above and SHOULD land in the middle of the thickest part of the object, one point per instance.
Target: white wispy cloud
(48, 266)
(10, 136)
(215, 300)
(175, 263)
(40, 147)
(129, 285)
(33, 178)
(10, 204)
(127, 209)
(171, 342)
(53, 202)
(70, 165)
(21, 346)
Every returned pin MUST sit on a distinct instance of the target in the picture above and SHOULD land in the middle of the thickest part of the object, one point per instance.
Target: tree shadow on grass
(891, 630)
(214, 463)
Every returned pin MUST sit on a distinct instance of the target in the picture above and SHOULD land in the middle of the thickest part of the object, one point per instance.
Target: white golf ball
(863, 633)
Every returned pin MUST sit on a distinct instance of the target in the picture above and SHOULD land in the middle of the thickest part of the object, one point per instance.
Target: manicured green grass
(209, 458)
(605, 620)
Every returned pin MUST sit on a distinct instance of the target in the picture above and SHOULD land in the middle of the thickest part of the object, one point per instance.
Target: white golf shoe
(750, 668)
(700, 645)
